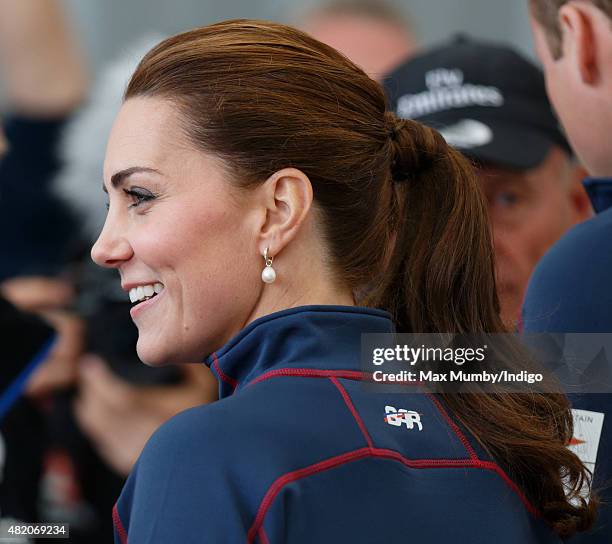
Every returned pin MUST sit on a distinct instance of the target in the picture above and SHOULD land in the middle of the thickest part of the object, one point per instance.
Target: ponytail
(440, 274)
(440, 278)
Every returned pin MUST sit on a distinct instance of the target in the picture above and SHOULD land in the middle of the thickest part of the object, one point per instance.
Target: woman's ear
(287, 196)
(578, 40)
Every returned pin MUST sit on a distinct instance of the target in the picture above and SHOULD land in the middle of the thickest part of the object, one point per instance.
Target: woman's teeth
(145, 292)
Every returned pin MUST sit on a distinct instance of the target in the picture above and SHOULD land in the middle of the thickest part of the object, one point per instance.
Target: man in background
(490, 103)
(574, 42)
(571, 291)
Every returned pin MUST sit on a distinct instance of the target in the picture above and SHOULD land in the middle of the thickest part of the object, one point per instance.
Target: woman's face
(178, 228)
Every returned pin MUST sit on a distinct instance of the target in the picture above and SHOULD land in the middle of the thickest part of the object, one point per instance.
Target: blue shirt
(571, 292)
(297, 451)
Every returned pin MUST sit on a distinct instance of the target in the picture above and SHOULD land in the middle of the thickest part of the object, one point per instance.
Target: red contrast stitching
(263, 537)
(119, 526)
(454, 427)
(457, 463)
(312, 373)
(356, 375)
(227, 379)
(296, 475)
(351, 407)
(333, 462)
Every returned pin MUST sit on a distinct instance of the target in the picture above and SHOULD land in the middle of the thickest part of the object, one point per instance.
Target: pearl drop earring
(268, 274)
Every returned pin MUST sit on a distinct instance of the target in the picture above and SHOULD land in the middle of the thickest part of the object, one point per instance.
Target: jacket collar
(307, 337)
(600, 193)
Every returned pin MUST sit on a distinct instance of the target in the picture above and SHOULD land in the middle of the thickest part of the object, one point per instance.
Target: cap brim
(509, 145)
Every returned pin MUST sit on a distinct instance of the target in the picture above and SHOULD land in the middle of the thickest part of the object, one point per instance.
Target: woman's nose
(111, 248)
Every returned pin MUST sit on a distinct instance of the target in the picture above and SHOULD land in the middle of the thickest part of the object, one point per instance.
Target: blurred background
(105, 29)
(107, 26)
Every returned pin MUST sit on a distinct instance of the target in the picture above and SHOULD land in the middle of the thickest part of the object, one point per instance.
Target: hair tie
(392, 125)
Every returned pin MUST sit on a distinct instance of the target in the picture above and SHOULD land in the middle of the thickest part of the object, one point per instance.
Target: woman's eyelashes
(139, 196)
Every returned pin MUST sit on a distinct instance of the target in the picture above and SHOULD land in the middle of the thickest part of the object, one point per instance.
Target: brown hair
(391, 192)
(546, 13)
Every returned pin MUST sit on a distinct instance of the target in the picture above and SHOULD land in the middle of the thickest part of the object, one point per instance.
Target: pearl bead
(268, 274)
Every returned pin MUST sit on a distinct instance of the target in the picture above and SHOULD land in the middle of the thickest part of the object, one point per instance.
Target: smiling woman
(246, 146)
(175, 221)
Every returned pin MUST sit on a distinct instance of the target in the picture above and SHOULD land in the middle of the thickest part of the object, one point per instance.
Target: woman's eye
(138, 196)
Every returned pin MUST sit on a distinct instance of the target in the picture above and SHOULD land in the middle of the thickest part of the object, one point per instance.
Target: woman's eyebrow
(118, 178)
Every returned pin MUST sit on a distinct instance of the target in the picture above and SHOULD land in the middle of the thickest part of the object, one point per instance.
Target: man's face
(529, 212)
(559, 82)
(549, 63)
(580, 105)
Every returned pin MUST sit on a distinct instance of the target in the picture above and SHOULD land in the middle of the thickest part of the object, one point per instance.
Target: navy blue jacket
(571, 292)
(297, 451)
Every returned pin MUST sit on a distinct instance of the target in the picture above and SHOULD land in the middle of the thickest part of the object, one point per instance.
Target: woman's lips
(143, 306)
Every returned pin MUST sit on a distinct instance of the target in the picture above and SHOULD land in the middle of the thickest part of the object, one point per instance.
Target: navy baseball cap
(486, 99)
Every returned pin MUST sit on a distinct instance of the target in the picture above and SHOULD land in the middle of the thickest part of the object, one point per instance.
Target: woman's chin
(151, 355)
